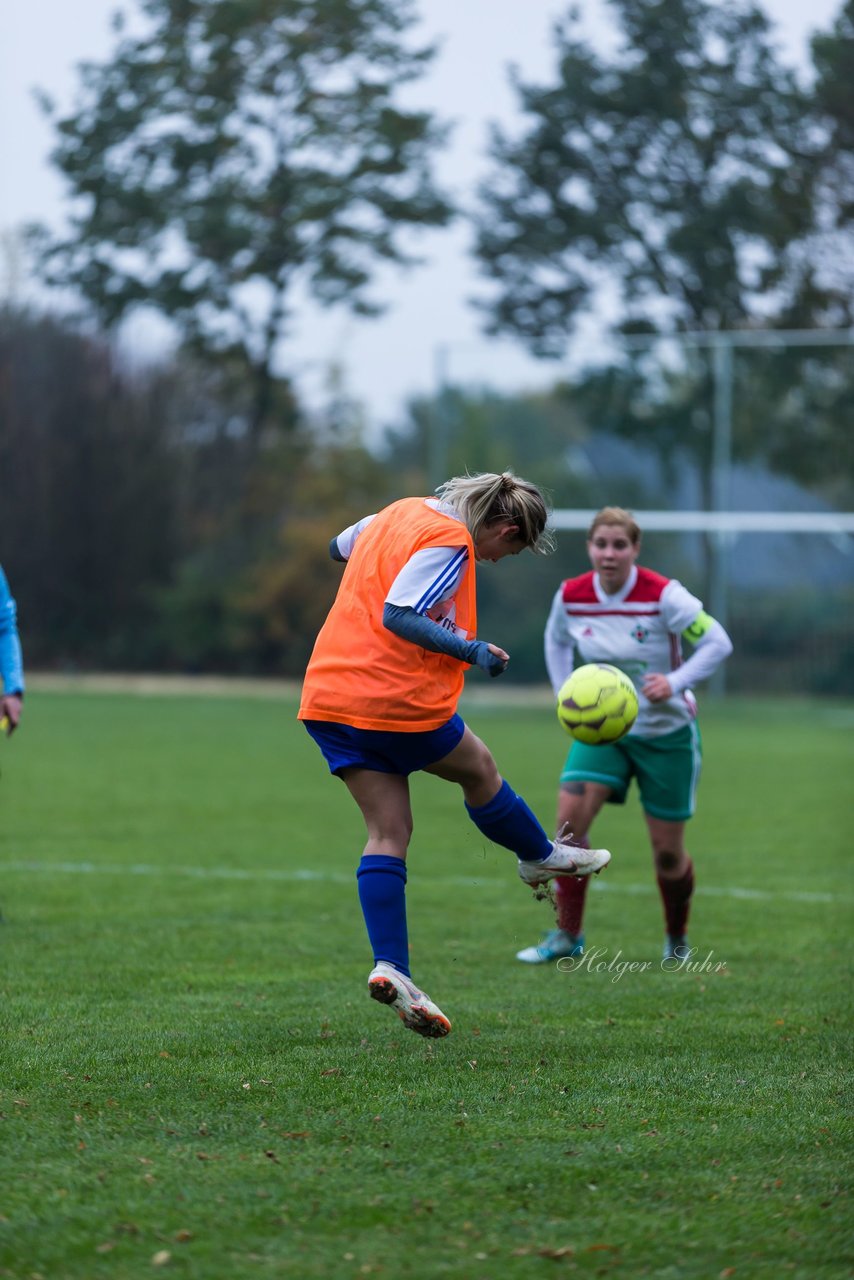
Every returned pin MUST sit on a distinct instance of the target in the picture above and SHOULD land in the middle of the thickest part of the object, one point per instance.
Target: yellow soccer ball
(597, 704)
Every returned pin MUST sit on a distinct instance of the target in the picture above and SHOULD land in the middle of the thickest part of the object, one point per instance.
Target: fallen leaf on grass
(565, 1252)
(161, 1258)
(333, 1071)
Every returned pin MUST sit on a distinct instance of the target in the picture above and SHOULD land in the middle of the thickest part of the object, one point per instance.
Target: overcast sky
(428, 320)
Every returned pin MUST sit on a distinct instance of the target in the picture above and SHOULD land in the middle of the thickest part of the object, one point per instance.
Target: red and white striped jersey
(638, 629)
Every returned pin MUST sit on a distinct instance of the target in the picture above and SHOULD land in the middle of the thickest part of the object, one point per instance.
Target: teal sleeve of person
(11, 661)
(698, 628)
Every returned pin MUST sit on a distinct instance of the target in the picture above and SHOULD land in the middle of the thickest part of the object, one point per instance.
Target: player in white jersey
(635, 619)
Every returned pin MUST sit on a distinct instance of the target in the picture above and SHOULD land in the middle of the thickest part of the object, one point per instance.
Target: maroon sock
(676, 898)
(570, 896)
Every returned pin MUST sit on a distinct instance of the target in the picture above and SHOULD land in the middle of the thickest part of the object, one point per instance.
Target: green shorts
(667, 769)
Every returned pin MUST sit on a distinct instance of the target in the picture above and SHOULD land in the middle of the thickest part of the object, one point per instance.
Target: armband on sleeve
(699, 627)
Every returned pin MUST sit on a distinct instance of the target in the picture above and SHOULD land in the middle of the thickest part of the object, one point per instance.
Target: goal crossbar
(830, 522)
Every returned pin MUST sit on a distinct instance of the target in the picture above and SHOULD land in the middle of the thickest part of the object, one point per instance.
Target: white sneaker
(564, 860)
(415, 1009)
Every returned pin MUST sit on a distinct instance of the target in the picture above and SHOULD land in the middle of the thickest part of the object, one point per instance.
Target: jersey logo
(443, 614)
(588, 631)
(640, 633)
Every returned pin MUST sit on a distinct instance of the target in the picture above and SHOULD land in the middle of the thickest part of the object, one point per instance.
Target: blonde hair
(486, 497)
(619, 516)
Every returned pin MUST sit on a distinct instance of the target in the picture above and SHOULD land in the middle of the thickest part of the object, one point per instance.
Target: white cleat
(415, 1009)
(564, 860)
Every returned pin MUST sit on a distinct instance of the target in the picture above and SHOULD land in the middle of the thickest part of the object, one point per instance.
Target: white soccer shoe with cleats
(565, 859)
(415, 1009)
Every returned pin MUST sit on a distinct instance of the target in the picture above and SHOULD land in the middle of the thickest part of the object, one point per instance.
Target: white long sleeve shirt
(638, 629)
(429, 580)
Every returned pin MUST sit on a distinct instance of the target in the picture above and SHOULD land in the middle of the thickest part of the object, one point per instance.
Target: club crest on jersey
(639, 633)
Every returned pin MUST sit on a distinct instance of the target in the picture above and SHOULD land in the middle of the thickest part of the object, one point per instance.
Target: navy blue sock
(381, 882)
(508, 821)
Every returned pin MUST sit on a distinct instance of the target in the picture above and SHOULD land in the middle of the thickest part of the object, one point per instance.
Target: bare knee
(398, 832)
(668, 847)
(668, 862)
(577, 806)
(472, 767)
(483, 780)
(390, 838)
(383, 800)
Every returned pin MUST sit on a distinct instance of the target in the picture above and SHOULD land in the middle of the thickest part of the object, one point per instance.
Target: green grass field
(195, 1082)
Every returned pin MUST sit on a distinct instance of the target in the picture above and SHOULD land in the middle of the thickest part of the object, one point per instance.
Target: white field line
(337, 877)
(261, 688)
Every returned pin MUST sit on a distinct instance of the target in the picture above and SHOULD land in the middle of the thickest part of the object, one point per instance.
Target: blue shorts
(344, 747)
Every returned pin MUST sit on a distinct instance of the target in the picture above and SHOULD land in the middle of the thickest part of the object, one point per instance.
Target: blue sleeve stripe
(440, 584)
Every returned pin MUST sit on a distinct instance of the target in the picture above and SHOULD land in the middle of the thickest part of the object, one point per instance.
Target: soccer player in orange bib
(635, 619)
(381, 691)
